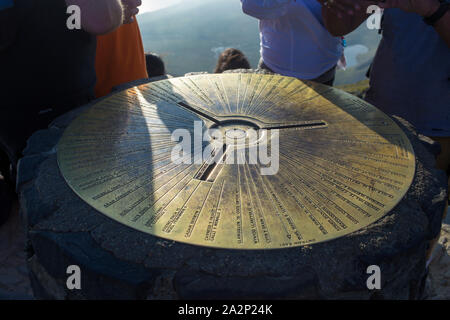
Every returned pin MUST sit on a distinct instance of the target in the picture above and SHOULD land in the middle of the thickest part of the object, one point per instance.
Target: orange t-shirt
(120, 58)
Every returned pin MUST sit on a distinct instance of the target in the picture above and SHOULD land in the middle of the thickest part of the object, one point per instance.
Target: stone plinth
(120, 263)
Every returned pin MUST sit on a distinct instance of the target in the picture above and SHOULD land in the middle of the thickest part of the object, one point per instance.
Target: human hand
(130, 9)
(425, 8)
(343, 8)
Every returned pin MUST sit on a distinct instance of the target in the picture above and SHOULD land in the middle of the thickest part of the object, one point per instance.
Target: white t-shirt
(294, 40)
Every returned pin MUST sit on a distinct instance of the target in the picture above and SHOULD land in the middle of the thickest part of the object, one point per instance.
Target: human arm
(266, 9)
(424, 8)
(343, 16)
(99, 16)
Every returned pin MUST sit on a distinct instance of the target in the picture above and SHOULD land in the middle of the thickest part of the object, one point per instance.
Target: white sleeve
(266, 9)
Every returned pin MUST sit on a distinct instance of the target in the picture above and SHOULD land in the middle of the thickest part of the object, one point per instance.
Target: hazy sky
(152, 5)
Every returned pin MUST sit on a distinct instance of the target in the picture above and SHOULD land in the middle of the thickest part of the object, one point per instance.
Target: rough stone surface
(14, 280)
(440, 266)
(120, 263)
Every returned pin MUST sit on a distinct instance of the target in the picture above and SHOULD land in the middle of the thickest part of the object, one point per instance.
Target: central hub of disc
(240, 132)
(236, 133)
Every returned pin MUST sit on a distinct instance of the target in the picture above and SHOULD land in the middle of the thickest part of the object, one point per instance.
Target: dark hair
(155, 65)
(231, 59)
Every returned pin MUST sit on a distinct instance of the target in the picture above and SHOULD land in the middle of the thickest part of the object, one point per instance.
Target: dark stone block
(120, 263)
(27, 168)
(43, 141)
(38, 289)
(4, 295)
(432, 146)
(33, 209)
(64, 121)
(102, 275)
(194, 285)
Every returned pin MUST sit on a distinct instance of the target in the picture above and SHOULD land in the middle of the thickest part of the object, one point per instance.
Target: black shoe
(6, 200)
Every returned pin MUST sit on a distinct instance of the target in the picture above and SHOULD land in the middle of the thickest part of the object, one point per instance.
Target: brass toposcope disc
(343, 164)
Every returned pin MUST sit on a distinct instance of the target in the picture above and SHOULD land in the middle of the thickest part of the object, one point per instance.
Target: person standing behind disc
(410, 74)
(120, 54)
(46, 69)
(294, 40)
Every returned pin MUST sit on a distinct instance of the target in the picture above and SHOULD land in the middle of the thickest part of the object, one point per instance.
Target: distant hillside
(190, 35)
(186, 34)
(154, 5)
